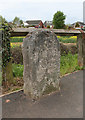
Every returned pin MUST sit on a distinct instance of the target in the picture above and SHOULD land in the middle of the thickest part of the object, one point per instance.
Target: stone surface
(41, 58)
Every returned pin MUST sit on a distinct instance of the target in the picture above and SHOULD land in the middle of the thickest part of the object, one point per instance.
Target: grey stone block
(41, 58)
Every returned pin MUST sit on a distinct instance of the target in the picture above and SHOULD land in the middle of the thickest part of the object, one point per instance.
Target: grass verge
(68, 64)
(16, 39)
(64, 39)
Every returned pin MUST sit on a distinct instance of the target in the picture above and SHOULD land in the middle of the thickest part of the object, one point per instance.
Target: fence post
(81, 48)
(83, 51)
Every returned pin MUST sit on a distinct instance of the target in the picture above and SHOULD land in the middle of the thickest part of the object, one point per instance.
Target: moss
(50, 88)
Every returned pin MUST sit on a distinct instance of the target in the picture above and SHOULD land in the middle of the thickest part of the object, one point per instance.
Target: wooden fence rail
(61, 32)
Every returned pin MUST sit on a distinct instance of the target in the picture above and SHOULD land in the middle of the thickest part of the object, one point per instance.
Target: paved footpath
(68, 103)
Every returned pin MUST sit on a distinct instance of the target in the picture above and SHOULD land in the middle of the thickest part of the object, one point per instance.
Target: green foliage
(17, 70)
(59, 20)
(21, 22)
(67, 26)
(18, 22)
(6, 55)
(2, 20)
(77, 25)
(48, 26)
(14, 45)
(16, 39)
(65, 39)
(69, 63)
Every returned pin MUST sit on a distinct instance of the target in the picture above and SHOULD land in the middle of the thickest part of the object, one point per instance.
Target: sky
(42, 9)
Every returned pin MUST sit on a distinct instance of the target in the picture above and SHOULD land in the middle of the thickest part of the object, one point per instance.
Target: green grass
(68, 64)
(14, 45)
(67, 39)
(64, 39)
(17, 70)
(16, 39)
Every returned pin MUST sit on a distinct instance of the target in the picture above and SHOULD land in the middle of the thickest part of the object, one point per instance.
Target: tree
(59, 20)
(77, 25)
(48, 26)
(67, 26)
(21, 23)
(2, 20)
(16, 21)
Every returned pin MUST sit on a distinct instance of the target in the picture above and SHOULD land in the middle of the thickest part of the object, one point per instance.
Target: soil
(68, 47)
(69, 44)
(17, 85)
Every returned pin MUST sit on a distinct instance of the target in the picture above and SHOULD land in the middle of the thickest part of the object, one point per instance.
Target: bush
(17, 70)
(17, 56)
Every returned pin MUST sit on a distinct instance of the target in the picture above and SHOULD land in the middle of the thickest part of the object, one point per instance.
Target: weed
(17, 70)
(69, 63)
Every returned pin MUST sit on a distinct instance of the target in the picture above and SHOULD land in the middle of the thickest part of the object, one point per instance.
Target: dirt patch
(70, 44)
(18, 84)
(68, 47)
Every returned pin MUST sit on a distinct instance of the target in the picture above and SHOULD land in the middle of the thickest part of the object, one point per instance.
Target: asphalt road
(68, 103)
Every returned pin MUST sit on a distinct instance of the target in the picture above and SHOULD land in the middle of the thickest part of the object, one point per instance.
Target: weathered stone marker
(41, 58)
